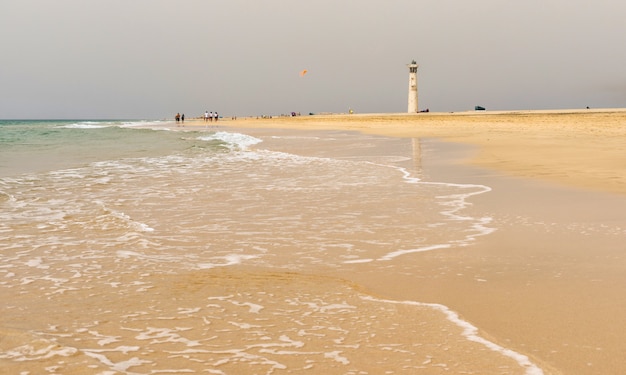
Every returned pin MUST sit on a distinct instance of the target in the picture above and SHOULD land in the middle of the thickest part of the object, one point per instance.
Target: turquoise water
(44, 145)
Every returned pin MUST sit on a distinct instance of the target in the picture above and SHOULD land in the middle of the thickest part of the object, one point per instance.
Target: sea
(142, 247)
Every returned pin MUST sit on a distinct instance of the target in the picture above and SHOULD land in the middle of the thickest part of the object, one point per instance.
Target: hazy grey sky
(153, 58)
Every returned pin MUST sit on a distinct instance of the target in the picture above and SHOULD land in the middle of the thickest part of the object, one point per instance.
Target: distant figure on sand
(206, 116)
(177, 117)
(182, 119)
(216, 116)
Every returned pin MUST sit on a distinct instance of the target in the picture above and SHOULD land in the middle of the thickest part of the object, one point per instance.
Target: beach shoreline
(549, 282)
(402, 250)
(578, 147)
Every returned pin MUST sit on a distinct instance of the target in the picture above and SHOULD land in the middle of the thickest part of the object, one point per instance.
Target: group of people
(180, 119)
(210, 116)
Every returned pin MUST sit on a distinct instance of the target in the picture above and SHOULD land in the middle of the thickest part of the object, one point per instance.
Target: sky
(149, 59)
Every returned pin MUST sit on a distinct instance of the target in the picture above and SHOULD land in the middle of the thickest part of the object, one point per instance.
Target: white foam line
(230, 260)
(33, 353)
(162, 335)
(190, 310)
(84, 125)
(456, 202)
(119, 366)
(239, 355)
(354, 261)
(122, 216)
(471, 333)
(410, 251)
(121, 349)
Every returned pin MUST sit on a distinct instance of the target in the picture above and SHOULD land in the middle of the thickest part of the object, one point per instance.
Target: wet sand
(550, 282)
(281, 263)
(582, 148)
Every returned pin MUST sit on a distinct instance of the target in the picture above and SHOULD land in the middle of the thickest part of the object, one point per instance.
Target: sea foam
(471, 333)
(233, 140)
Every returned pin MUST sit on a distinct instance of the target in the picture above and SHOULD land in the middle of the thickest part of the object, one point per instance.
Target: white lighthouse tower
(412, 87)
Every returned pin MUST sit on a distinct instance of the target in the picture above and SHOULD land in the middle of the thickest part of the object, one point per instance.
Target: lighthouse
(412, 87)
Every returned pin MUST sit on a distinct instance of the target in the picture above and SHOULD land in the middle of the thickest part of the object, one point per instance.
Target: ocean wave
(5, 197)
(234, 140)
(109, 123)
(86, 125)
(130, 124)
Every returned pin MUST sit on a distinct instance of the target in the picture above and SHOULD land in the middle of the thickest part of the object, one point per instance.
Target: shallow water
(146, 251)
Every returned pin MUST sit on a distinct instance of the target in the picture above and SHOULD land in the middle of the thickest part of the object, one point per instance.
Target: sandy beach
(433, 243)
(582, 148)
(550, 283)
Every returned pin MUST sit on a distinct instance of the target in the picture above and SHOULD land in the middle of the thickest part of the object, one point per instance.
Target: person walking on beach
(182, 119)
(177, 117)
(216, 116)
(206, 116)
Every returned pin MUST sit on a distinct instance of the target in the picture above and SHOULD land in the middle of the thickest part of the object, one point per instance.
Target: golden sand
(583, 148)
(552, 287)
